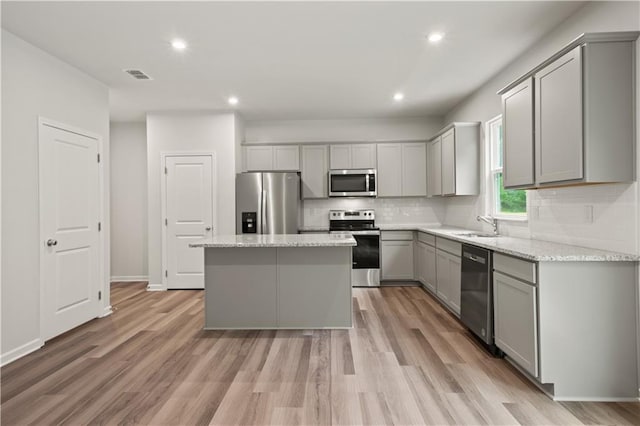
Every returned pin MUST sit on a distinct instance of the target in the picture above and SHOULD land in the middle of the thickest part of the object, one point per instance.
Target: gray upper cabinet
(389, 170)
(402, 169)
(434, 157)
(414, 169)
(448, 169)
(583, 115)
(558, 136)
(353, 156)
(272, 158)
(454, 160)
(315, 168)
(517, 119)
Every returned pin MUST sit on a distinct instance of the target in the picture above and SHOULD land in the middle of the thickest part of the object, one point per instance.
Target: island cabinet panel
(307, 294)
(278, 287)
(245, 288)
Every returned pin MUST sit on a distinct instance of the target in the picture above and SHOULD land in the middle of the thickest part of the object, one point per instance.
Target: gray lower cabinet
(425, 260)
(448, 276)
(396, 249)
(448, 272)
(515, 320)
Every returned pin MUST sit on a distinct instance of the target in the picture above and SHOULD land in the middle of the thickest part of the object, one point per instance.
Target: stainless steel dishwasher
(476, 294)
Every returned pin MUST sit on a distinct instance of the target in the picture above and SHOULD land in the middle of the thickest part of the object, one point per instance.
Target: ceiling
(286, 60)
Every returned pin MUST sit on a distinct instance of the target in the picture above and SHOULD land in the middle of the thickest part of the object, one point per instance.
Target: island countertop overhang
(280, 240)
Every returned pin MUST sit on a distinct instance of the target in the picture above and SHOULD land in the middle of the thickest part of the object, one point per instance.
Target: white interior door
(189, 207)
(69, 213)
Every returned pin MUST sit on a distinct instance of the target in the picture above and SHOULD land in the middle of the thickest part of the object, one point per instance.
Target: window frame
(493, 194)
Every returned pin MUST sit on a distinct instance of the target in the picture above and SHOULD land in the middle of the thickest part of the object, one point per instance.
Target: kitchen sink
(475, 235)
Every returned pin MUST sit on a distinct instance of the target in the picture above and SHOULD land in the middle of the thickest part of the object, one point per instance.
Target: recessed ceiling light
(178, 44)
(398, 96)
(233, 100)
(435, 37)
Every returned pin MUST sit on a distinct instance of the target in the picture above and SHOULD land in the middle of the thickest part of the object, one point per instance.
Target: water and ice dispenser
(249, 222)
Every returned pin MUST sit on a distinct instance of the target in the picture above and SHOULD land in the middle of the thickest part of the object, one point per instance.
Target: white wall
(563, 214)
(129, 255)
(349, 130)
(34, 84)
(189, 132)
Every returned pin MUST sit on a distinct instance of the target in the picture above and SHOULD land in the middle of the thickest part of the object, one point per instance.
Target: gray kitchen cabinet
(448, 169)
(434, 157)
(363, 156)
(583, 115)
(272, 158)
(389, 170)
(402, 170)
(315, 166)
(454, 160)
(448, 273)
(414, 169)
(396, 252)
(515, 320)
(558, 145)
(352, 156)
(425, 259)
(258, 158)
(517, 127)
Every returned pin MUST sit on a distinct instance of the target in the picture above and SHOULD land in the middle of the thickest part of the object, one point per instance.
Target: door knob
(208, 228)
(51, 242)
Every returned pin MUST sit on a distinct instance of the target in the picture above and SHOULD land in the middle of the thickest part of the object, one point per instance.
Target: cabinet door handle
(208, 228)
(52, 242)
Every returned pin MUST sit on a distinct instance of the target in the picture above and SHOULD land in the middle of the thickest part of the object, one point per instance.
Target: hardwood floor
(406, 361)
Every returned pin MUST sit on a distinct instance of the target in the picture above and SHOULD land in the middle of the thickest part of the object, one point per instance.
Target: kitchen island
(277, 281)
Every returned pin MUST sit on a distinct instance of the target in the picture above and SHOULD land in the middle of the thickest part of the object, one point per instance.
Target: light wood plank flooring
(406, 361)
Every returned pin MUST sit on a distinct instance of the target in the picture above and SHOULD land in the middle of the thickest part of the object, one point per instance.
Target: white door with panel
(414, 169)
(70, 236)
(315, 168)
(389, 170)
(448, 167)
(190, 217)
(517, 118)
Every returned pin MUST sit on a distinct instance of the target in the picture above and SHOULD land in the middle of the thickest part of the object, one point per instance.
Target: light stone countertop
(536, 250)
(282, 240)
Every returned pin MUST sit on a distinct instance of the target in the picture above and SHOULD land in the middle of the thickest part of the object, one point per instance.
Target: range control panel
(352, 214)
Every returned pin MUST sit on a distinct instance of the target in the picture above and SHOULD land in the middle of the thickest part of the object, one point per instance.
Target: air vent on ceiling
(138, 75)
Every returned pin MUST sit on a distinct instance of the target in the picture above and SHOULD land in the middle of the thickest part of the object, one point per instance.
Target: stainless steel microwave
(352, 183)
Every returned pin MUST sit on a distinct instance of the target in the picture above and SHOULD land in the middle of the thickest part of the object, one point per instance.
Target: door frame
(102, 285)
(163, 200)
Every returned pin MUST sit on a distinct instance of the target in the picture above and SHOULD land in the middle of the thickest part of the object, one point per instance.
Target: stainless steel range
(365, 270)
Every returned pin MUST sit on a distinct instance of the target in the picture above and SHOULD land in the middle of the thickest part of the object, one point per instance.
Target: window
(503, 203)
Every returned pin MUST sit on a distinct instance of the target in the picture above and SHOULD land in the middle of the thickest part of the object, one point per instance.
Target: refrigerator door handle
(263, 212)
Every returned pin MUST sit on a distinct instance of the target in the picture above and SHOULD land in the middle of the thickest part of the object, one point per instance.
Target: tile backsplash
(596, 216)
(388, 210)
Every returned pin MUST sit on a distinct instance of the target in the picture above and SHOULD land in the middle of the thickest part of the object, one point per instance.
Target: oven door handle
(365, 232)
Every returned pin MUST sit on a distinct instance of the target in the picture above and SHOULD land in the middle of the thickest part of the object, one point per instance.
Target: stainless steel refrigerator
(267, 203)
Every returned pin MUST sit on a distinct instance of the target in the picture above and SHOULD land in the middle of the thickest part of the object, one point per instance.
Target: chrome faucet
(491, 221)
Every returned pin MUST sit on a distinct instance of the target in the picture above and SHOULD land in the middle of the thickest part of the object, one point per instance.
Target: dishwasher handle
(474, 258)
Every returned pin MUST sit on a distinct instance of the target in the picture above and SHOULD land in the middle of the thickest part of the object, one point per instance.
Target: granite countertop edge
(284, 240)
(529, 249)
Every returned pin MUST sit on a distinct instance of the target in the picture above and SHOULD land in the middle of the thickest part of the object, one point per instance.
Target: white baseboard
(155, 287)
(129, 278)
(106, 311)
(21, 351)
